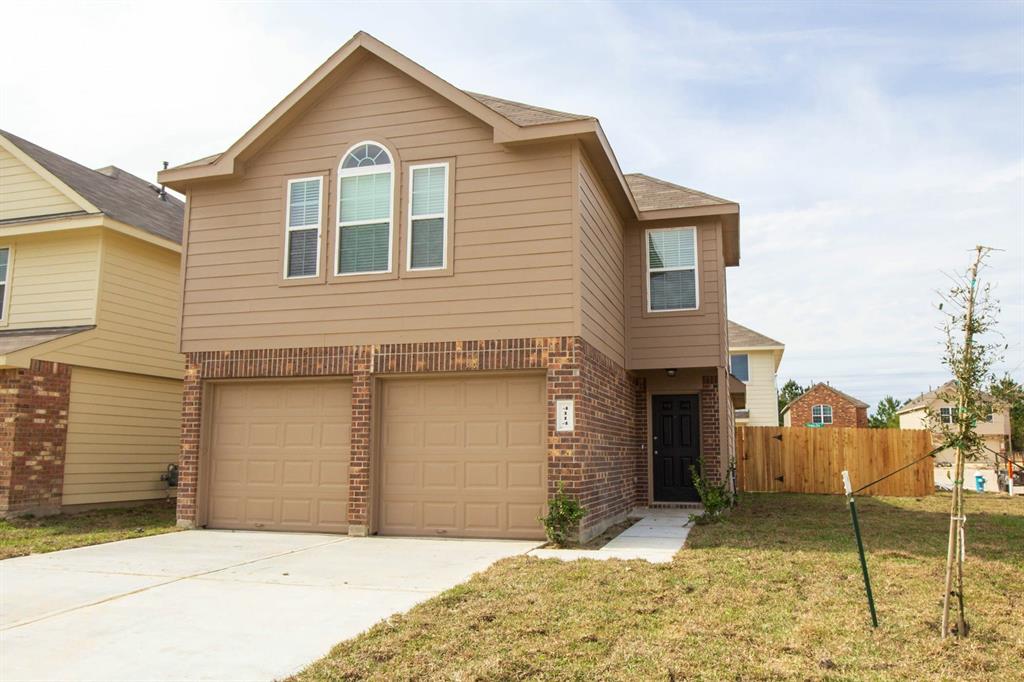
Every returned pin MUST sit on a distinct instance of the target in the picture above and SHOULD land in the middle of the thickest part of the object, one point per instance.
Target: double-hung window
(365, 190)
(672, 269)
(821, 414)
(5, 269)
(428, 217)
(739, 366)
(302, 227)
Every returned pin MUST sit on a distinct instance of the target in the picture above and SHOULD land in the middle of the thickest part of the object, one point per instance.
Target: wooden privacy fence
(803, 460)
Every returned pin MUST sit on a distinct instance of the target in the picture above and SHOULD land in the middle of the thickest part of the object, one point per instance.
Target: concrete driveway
(215, 605)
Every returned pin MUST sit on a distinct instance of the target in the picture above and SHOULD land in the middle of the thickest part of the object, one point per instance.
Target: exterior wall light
(671, 372)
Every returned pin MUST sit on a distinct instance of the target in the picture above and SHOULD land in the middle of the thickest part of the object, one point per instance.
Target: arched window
(821, 414)
(365, 192)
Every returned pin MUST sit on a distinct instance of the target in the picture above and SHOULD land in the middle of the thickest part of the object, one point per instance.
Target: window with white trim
(821, 414)
(5, 268)
(365, 190)
(302, 227)
(672, 269)
(428, 216)
(947, 415)
(739, 366)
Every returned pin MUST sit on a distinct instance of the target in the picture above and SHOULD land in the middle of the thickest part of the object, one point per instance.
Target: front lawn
(49, 533)
(773, 592)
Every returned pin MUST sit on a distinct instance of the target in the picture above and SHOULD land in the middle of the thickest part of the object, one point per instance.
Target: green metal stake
(860, 547)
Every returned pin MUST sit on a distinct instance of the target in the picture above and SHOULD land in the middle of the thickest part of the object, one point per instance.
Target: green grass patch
(772, 592)
(32, 535)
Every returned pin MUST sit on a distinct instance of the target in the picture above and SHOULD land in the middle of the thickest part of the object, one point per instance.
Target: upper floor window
(947, 415)
(302, 227)
(5, 268)
(672, 269)
(428, 216)
(365, 190)
(739, 366)
(821, 414)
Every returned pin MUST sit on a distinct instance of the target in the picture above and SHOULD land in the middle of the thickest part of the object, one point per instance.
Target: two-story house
(940, 405)
(411, 309)
(824, 405)
(90, 376)
(754, 359)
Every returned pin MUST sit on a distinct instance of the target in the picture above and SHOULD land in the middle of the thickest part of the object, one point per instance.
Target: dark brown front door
(676, 447)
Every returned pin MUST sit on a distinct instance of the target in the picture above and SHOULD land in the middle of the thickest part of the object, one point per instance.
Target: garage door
(464, 457)
(278, 455)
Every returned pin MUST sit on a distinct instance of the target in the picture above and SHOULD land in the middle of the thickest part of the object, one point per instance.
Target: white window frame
(5, 297)
(695, 267)
(822, 407)
(747, 355)
(431, 216)
(353, 172)
(947, 415)
(288, 229)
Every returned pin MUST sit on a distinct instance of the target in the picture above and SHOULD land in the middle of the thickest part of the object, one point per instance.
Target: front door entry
(676, 432)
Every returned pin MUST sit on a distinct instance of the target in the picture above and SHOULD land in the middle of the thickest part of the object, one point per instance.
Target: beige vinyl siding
(53, 279)
(602, 259)
(513, 251)
(137, 328)
(24, 193)
(123, 431)
(762, 395)
(678, 339)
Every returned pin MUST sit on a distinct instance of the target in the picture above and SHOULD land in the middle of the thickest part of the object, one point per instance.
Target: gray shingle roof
(525, 114)
(744, 337)
(652, 194)
(115, 192)
(19, 339)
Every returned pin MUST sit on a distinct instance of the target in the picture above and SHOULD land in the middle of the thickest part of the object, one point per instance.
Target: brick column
(565, 456)
(33, 437)
(713, 466)
(188, 459)
(361, 454)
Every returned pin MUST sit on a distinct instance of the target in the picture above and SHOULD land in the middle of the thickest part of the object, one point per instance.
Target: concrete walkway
(655, 537)
(215, 605)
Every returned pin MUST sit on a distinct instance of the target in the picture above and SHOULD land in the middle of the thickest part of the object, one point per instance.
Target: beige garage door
(464, 457)
(278, 454)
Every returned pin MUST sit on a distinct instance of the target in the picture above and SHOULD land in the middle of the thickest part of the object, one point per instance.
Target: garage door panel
(279, 455)
(464, 456)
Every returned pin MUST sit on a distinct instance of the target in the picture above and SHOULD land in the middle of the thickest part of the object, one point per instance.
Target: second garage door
(464, 456)
(278, 454)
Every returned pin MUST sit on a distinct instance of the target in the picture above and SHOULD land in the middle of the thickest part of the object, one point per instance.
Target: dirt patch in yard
(598, 541)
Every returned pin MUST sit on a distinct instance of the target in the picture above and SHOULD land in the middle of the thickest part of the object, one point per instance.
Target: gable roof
(927, 398)
(512, 122)
(744, 337)
(846, 396)
(112, 191)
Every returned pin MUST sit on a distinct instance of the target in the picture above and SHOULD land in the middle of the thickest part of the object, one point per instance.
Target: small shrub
(715, 498)
(564, 514)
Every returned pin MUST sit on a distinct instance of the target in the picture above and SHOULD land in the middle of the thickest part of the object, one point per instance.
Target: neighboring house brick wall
(33, 437)
(844, 413)
(597, 461)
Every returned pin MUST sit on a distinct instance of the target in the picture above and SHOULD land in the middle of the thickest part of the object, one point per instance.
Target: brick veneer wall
(598, 461)
(712, 463)
(844, 412)
(33, 437)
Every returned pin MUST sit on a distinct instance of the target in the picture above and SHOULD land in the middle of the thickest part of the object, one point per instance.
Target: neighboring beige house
(414, 310)
(754, 359)
(90, 377)
(996, 433)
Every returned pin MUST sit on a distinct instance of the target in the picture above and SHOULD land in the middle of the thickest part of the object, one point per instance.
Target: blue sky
(870, 145)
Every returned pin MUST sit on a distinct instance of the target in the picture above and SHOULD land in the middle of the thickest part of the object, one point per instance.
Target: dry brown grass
(772, 592)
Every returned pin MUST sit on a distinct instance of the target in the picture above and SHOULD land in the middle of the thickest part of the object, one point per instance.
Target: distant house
(995, 431)
(90, 376)
(822, 405)
(754, 359)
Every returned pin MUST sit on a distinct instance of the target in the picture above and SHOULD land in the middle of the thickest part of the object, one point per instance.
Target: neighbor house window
(672, 269)
(739, 365)
(365, 189)
(947, 415)
(428, 216)
(5, 268)
(302, 227)
(821, 414)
